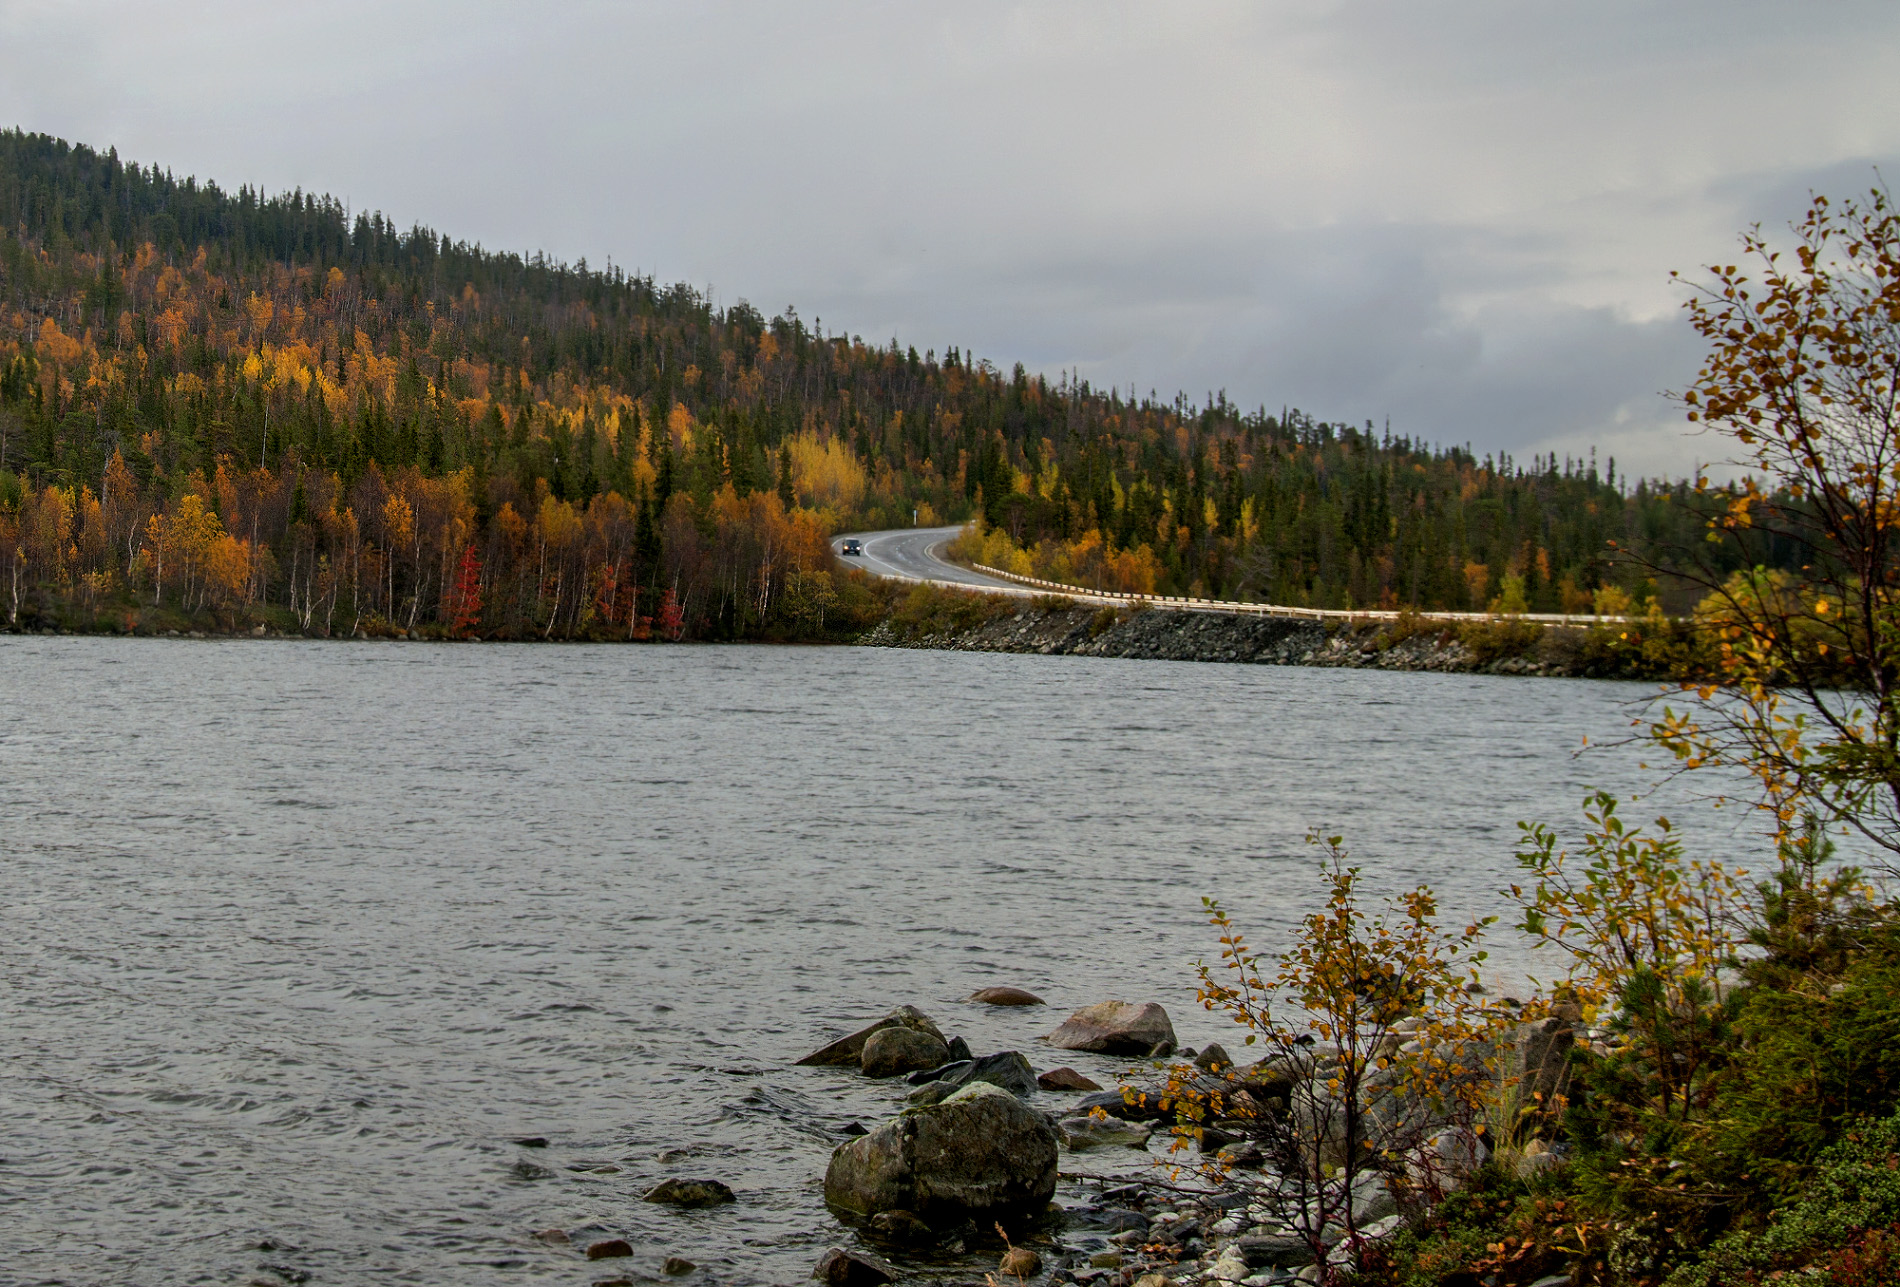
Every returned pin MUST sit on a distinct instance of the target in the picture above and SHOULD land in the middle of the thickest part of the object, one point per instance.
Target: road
(914, 553)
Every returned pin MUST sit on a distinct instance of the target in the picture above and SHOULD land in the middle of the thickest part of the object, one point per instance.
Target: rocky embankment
(1066, 627)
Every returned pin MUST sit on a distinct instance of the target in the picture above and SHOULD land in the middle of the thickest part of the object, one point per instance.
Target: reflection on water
(298, 937)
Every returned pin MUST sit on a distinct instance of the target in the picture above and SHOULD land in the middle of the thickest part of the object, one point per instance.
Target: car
(852, 546)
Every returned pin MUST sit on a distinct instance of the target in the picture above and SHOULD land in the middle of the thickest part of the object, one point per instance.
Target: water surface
(296, 937)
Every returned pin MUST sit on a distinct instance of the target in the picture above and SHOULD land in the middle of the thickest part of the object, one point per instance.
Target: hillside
(228, 403)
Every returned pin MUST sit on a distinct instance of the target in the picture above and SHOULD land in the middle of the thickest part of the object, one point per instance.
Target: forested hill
(216, 400)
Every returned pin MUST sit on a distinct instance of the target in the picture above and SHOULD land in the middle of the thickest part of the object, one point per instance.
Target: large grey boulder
(981, 1150)
(1116, 1028)
(894, 1051)
(849, 1051)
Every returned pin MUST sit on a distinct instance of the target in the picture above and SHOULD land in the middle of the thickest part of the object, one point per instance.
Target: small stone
(553, 1237)
(1154, 1280)
(1006, 996)
(841, 1268)
(1065, 1079)
(609, 1248)
(1021, 1262)
(677, 1265)
(1106, 1260)
(690, 1193)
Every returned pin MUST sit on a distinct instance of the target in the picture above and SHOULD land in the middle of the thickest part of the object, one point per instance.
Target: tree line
(241, 403)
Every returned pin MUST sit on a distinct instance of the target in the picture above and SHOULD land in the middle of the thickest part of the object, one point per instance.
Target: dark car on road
(852, 546)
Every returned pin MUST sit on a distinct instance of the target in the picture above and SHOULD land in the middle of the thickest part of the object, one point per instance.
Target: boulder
(690, 1193)
(1272, 1251)
(981, 1150)
(1214, 1059)
(938, 1074)
(1065, 1079)
(849, 1051)
(1006, 996)
(1008, 1069)
(1116, 1028)
(841, 1268)
(1541, 1062)
(891, 1052)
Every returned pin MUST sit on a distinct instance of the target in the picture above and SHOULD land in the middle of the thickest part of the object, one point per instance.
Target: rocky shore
(968, 1169)
(1058, 626)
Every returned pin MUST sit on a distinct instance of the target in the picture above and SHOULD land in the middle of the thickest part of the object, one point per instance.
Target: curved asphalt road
(914, 553)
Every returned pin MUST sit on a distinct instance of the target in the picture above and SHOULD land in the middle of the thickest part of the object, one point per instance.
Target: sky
(1459, 218)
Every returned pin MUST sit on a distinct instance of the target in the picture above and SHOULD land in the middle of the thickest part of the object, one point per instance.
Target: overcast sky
(1460, 216)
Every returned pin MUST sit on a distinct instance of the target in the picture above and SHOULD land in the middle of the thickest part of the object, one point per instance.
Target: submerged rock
(902, 1227)
(1081, 1133)
(609, 1249)
(674, 1266)
(1116, 1028)
(690, 1193)
(891, 1052)
(849, 1051)
(1006, 996)
(981, 1150)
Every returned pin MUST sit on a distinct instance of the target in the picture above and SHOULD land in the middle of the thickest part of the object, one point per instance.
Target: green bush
(1855, 1191)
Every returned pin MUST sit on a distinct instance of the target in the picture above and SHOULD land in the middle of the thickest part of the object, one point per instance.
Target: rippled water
(297, 937)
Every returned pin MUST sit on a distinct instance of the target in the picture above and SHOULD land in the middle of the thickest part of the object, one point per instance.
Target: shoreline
(937, 619)
(1056, 626)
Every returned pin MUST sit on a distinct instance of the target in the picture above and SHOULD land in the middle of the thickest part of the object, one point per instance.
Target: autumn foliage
(355, 404)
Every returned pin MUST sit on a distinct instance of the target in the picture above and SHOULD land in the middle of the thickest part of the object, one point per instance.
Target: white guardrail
(1279, 610)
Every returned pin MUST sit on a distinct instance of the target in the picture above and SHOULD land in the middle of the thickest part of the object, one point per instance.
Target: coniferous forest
(231, 407)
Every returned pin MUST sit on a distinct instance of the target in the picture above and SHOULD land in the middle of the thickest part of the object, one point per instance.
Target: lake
(299, 936)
